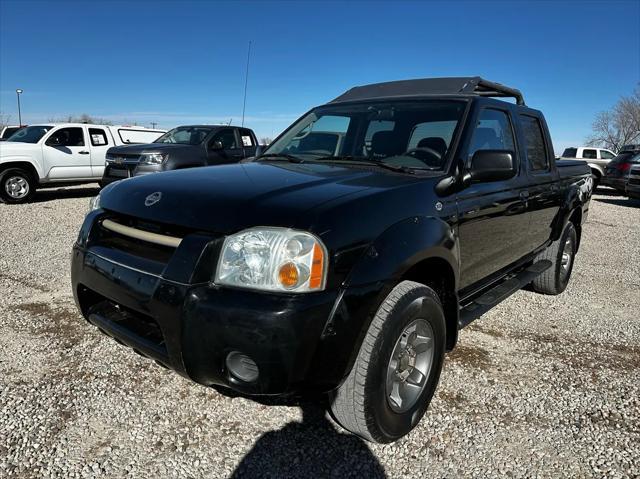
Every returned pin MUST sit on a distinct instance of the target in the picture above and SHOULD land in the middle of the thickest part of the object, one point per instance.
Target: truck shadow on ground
(51, 194)
(310, 448)
(620, 201)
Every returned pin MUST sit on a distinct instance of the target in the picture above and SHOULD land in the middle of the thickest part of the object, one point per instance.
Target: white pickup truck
(67, 153)
(596, 158)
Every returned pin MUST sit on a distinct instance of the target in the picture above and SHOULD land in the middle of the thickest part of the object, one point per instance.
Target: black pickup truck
(182, 147)
(345, 259)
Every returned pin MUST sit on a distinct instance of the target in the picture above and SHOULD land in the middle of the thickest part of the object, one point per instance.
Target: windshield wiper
(286, 156)
(368, 161)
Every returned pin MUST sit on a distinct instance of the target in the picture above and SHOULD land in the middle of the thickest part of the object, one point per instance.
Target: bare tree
(83, 118)
(620, 125)
(265, 140)
(5, 120)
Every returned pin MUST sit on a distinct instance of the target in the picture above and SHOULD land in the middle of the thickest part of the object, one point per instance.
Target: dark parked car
(633, 182)
(617, 171)
(343, 262)
(182, 147)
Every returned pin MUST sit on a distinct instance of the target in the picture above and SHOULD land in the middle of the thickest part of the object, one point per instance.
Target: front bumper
(119, 171)
(300, 343)
(613, 182)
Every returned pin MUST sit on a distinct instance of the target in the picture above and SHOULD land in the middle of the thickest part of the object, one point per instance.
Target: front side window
(589, 154)
(226, 137)
(30, 134)
(414, 135)
(534, 143)
(606, 155)
(98, 136)
(493, 132)
(73, 136)
(185, 135)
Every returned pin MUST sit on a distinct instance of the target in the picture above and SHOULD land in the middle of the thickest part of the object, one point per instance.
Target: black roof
(430, 86)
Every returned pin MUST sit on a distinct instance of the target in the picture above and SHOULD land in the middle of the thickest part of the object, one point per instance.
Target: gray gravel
(539, 387)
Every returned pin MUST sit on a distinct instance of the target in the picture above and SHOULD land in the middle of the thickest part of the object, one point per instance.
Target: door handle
(83, 152)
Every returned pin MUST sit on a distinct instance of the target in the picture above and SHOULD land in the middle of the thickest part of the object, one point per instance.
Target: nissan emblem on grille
(153, 198)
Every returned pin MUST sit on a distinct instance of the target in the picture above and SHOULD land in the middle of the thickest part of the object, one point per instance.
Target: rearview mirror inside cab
(492, 165)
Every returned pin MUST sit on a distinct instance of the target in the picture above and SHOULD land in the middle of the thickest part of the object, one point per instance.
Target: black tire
(14, 176)
(361, 404)
(555, 279)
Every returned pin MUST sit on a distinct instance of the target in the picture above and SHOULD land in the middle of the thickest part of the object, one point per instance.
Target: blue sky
(183, 62)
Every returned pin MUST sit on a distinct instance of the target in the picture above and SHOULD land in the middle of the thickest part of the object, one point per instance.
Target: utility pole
(153, 124)
(246, 81)
(18, 92)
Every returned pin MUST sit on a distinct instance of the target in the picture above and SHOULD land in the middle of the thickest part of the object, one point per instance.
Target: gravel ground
(539, 387)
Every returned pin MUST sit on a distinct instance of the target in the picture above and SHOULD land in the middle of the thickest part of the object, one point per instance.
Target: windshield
(30, 134)
(185, 135)
(414, 135)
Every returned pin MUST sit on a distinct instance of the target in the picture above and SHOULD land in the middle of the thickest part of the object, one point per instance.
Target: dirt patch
(452, 399)
(473, 356)
(24, 282)
(484, 330)
(63, 324)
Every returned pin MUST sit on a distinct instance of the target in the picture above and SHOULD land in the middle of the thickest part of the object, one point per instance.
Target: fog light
(242, 366)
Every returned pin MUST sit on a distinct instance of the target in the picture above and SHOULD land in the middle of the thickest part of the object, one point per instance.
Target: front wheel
(16, 186)
(397, 369)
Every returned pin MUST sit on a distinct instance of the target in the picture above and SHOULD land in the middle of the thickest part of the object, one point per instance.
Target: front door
(66, 154)
(230, 151)
(493, 223)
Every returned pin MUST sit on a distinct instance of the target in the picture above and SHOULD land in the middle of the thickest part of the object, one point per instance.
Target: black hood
(229, 198)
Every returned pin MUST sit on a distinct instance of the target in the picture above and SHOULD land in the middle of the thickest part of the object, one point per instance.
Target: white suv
(41, 155)
(596, 158)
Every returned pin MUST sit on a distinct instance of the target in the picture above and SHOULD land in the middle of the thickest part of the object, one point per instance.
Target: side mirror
(54, 141)
(217, 145)
(259, 150)
(491, 165)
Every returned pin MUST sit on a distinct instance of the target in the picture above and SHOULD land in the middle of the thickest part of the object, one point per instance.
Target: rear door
(492, 215)
(544, 184)
(100, 142)
(248, 142)
(66, 154)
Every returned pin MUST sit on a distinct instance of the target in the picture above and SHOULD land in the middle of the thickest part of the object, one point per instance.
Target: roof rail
(430, 86)
(483, 87)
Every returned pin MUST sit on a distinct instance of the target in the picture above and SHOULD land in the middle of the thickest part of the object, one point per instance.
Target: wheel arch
(25, 165)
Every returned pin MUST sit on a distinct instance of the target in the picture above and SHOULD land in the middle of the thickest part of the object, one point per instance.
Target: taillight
(623, 167)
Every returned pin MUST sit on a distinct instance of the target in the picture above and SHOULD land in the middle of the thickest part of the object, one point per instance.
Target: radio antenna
(246, 81)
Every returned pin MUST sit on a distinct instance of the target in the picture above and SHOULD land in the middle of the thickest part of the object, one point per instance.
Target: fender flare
(22, 161)
(573, 200)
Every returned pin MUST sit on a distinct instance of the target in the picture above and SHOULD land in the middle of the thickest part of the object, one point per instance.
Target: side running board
(500, 292)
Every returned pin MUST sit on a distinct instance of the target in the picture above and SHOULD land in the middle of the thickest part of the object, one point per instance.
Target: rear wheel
(397, 369)
(16, 185)
(561, 253)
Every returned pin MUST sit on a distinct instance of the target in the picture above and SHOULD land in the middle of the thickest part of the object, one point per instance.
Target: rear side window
(589, 154)
(534, 143)
(98, 136)
(246, 138)
(493, 132)
(606, 155)
(570, 153)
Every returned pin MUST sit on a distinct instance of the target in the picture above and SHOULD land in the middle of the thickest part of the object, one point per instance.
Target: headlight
(273, 259)
(94, 203)
(153, 158)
